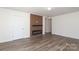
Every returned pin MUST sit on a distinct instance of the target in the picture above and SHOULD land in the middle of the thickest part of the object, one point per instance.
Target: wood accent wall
(36, 23)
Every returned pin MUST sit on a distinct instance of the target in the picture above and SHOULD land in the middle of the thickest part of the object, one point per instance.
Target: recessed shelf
(36, 25)
(37, 31)
(34, 32)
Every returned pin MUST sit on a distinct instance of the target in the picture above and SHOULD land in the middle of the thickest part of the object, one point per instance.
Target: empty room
(39, 29)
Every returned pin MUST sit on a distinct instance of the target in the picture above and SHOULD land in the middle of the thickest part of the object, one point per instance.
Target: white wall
(13, 25)
(66, 25)
(43, 25)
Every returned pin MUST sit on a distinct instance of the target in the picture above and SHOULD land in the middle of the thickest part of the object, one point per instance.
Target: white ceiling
(44, 12)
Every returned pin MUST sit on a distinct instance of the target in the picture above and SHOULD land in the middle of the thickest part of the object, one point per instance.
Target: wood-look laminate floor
(42, 43)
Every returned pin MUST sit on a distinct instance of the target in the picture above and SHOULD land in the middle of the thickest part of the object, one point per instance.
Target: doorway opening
(48, 25)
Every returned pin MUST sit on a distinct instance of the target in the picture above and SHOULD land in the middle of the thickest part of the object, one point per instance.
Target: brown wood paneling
(36, 28)
(36, 22)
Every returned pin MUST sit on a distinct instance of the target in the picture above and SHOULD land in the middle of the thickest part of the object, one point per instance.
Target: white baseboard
(66, 36)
